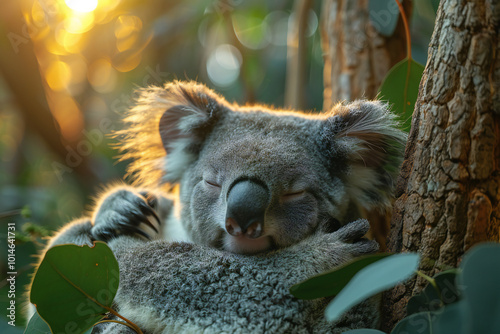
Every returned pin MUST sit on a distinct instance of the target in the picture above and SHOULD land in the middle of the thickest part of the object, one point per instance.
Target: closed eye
(293, 195)
(213, 184)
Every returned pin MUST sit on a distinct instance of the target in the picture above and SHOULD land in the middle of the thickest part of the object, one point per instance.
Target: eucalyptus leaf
(74, 286)
(432, 299)
(375, 278)
(363, 331)
(416, 323)
(384, 15)
(36, 325)
(332, 282)
(426, 301)
(479, 281)
(401, 90)
(452, 319)
(446, 283)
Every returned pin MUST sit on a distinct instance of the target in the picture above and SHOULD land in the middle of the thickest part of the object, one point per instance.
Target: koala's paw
(349, 239)
(126, 212)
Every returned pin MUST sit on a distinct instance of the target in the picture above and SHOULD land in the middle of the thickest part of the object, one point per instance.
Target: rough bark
(449, 188)
(296, 56)
(357, 58)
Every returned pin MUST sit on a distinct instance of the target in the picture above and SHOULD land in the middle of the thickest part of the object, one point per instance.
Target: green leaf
(331, 282)
(73, 286)
(371, 280)
(435, 5)
(401, 90)
(36, 325)
(452, 319)
(431, 299)
(446, 283)
(427, 300)
(363, 331)
(480, 282)
(384, 16)
(416, 323)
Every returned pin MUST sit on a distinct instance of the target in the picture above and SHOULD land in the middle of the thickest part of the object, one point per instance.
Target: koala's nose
(247, 201)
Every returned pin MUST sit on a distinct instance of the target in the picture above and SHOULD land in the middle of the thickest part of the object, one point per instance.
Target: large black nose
(247, 201)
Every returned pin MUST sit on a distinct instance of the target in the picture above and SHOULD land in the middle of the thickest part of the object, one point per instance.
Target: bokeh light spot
(102, 76)
(78, 24)
(127, 61)
(71, 42)
(277, 22)
(223, 65)
(126, 25)
(68, 115)
(58, 75)
(82, 6)
(37, 14)
(251, 30)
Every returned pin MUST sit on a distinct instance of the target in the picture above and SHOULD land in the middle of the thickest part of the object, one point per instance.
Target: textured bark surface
(297, 56)
(356, 56)
(448, 191)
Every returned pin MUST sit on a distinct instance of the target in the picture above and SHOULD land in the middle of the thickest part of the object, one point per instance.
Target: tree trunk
(357, 58)
(297, 56)
(19, 69)
(448, 191)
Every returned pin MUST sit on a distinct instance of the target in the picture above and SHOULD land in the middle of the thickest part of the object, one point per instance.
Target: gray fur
(344, 161)
(322, 172)
(175, 287)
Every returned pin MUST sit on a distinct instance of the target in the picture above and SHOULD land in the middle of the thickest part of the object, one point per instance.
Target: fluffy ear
(174, 119)
(366, 138)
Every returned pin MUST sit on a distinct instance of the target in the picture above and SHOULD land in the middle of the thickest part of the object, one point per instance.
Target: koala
(231, 205)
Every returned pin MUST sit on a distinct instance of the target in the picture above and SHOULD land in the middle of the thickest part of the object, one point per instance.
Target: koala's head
(254, 179)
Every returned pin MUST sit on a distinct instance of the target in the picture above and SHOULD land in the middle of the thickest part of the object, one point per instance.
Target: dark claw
(140, 218)
(131, 230)
(123, 212)
(150, 199)
(148, 211)
(104, 235)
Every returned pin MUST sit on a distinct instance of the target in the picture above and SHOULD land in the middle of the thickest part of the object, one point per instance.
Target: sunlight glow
(82, 6)
(58, 75)
(80, 23)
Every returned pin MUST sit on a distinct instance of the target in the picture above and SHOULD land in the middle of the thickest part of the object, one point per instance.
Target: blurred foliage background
(68, 70)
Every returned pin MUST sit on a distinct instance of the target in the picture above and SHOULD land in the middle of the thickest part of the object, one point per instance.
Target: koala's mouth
(244, 245)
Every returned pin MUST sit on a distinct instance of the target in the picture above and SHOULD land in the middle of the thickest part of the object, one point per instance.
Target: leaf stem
(118, 322)
(407, 29)
(408, 52)
(129, 323)
(431, 281)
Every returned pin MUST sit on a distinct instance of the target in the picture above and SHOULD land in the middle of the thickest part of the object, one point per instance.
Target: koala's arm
(121, 211)
(77, 232)
(188, 288)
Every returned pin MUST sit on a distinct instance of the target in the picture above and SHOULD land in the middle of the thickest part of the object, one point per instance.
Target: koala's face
(254, 179)
(259, 184)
